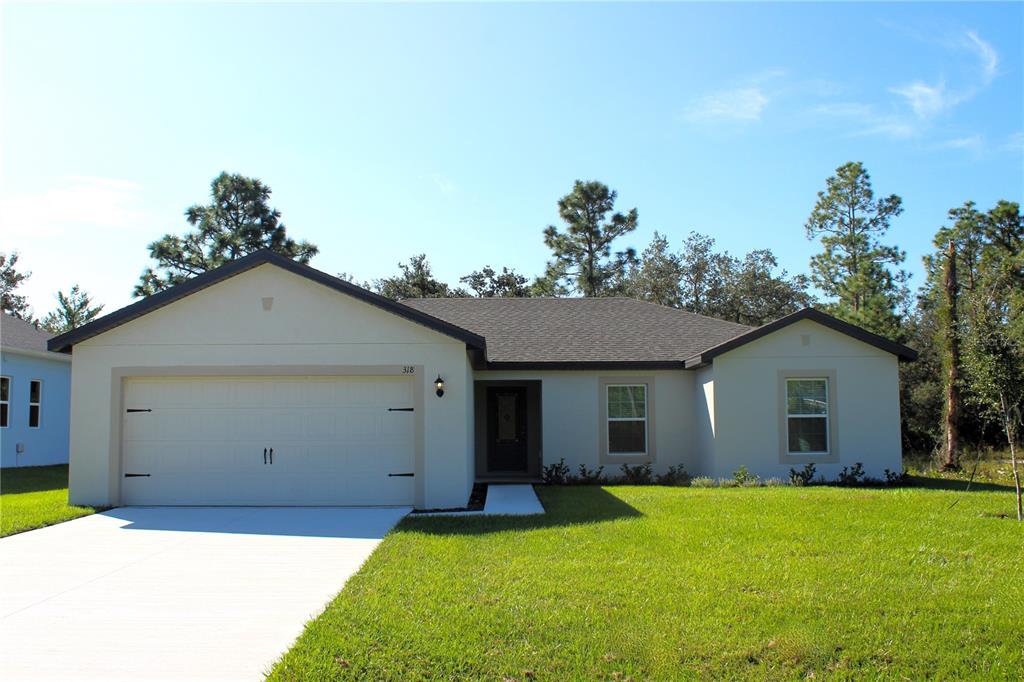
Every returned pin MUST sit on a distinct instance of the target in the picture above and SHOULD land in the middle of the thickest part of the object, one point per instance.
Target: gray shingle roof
(18, 334)
(595, 330)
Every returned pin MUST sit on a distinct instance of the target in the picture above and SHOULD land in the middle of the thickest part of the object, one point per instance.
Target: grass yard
(667, 583)
(33, 497)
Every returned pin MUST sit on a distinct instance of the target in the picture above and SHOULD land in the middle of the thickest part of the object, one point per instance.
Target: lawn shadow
(15, 480)
(955, 485)
(563, 505)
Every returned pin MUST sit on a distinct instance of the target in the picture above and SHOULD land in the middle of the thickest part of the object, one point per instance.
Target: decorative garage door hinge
(401, 409)
(408, 474)
(137, 409)
(135, 475)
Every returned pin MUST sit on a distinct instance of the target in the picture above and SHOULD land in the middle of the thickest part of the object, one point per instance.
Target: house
(267, 382)
(35, 397)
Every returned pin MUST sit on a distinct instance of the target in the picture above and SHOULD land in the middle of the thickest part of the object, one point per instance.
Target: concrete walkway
(157, 593)
(514, 500)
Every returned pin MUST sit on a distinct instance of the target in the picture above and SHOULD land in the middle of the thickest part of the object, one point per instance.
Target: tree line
(965, 319)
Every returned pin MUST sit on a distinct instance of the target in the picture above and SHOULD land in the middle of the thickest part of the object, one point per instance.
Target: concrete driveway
(159, 593)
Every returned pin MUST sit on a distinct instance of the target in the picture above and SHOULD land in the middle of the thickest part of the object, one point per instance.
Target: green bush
(675, 475)
(637, 475)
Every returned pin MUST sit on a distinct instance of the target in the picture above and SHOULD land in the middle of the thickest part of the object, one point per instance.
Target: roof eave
(903, 353)
(583, 365)
(66, 341)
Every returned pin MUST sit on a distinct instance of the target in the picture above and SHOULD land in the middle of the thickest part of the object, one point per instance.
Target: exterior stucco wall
(748, 396)
(704, 420)
(47, 444)
(570, 419)
(307, 326)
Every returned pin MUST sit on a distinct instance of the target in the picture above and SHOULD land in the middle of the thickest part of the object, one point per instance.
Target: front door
(507, 446)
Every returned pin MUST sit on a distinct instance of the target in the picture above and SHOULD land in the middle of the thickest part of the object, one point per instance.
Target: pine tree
(856, 268)
(237, 221)
(582, 255)
(73, 309)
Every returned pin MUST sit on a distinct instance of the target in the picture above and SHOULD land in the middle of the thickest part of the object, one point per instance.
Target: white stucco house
(267, 382)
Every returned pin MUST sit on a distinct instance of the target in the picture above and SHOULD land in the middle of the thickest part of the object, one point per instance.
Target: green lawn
(667, 583)
(33, 497)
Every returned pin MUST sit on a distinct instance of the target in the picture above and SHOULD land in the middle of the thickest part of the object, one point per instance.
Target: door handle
(264, 455)
(271, 455)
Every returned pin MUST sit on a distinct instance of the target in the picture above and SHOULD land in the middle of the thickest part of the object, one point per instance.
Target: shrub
(675, 475)
(728, 483)
(703, 482)
(772, 482)
(895, 478)
(803, 477)
(851, 475)
(637, 475)
(590, 476)
(744, 477)
(556, 473)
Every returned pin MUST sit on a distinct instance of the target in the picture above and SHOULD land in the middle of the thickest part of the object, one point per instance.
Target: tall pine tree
(855, 268)
(237, 221)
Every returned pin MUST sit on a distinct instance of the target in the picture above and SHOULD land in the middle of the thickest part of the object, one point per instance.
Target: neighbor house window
(5, 401)
(35, 402)
(627, 419)
(807, 416)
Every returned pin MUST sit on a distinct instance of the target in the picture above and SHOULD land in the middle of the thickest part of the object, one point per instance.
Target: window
(35, 401)
(627, 419)
(5, 401)
(807, 413)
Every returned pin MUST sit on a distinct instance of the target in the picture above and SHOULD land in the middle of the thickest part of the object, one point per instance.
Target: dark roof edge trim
(64, 342)
(569, 365)
(880, 342)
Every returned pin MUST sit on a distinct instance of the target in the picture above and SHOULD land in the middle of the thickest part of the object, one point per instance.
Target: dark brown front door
(507, 447)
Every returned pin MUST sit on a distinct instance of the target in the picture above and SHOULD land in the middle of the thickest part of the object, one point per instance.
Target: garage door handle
(271, 455)
(264, 455)
(136, 475)
(136, 409)
(401, 409)
(408, 474)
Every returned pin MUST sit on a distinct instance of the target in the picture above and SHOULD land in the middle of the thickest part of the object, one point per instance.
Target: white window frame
(37, 404)
(827, 416)
(7, 402)
(609, 420)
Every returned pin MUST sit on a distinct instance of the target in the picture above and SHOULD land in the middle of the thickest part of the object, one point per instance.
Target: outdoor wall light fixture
(439, 385)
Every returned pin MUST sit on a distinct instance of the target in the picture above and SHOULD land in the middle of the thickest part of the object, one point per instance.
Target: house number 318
(408, 369)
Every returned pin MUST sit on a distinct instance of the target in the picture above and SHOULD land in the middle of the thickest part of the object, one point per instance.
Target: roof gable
(65, 342)
(902, 352)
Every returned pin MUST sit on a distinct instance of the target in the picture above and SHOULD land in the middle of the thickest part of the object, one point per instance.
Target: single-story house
(267, 382)
(35, 397)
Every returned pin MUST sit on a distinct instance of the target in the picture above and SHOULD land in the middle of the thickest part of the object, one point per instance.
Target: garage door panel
(334, 441)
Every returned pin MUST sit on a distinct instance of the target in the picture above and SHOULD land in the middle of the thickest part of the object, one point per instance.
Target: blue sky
(389, 130)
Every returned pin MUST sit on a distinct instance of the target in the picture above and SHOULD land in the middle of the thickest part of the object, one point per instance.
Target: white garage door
(268, 441)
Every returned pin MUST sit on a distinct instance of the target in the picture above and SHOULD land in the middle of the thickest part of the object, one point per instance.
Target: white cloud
(443, 183)
(986, 53)
(1015, 143)
(87, 230)
(864, 120)
(927, 101)
(73, 201)
(740, 104)
(970, 142)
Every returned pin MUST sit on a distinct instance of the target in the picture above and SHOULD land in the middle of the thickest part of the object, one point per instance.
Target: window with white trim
(5, 401)
(35, 403)
(627, 419)
(807, 416)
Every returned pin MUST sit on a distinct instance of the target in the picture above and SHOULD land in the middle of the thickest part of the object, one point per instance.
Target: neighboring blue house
(35, 397)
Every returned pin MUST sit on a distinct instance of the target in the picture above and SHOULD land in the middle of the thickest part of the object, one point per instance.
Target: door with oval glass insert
(507, 443)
